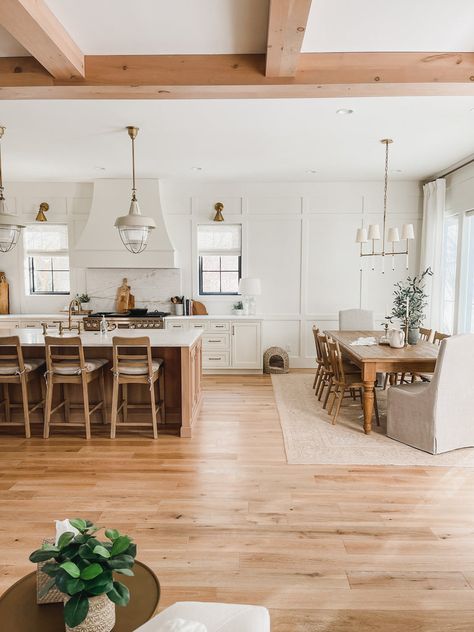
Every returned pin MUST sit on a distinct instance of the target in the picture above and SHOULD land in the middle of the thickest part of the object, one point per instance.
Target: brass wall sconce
(219, 208)
(41, 217)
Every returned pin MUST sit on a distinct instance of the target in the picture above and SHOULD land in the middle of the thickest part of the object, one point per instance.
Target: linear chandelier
(392, 236)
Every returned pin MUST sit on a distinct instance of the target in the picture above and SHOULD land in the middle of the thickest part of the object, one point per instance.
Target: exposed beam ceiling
(243, 76)
(32, 23)
(286, 28)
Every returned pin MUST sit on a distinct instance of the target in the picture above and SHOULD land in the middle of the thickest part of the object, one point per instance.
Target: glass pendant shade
(10, 228)
(134, 229)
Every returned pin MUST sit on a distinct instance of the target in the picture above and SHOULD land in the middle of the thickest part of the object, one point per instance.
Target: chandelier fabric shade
(391, 236)
(10, 228)
(134, 228)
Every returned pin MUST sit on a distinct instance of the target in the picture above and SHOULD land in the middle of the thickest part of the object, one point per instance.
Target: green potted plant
(238, 308)
(409, 304)
(83, 568)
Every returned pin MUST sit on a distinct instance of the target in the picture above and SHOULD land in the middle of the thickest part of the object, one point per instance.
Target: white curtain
(434, 202)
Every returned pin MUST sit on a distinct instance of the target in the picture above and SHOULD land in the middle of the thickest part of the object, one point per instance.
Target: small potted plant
(83, 569)
(238, 308)
(409, 304)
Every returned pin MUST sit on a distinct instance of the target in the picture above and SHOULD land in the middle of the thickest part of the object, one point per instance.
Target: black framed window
(48, 275)
(46, 259)
(219, 274)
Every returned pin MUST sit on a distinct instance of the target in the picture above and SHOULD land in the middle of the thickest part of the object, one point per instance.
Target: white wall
(298, 238)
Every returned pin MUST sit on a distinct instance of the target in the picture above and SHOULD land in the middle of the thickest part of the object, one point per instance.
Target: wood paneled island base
(181, 352)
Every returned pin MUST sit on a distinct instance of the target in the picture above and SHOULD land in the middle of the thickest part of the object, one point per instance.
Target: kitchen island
(180, 350)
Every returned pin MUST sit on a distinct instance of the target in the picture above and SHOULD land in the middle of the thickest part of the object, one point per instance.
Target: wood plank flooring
(223, 517)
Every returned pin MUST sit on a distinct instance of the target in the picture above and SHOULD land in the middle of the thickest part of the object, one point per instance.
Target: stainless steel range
(150, 320)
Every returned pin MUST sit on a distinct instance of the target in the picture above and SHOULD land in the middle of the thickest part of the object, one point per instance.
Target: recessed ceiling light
(397, 171)
(344, 111)
(99, 168)
(311, 171)
(196, 168)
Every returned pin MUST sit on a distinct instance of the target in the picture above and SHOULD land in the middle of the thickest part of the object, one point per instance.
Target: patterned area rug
(311, 439)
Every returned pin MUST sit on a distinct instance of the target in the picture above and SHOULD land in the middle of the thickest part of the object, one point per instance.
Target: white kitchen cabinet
(229, 345)
(246, 345)
(9, 324)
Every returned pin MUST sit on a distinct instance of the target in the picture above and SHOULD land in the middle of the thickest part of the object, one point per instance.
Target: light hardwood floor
(223, 517)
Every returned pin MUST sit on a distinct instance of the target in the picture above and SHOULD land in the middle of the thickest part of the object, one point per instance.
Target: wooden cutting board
(4, 294)
(199, 309)
(123, 297)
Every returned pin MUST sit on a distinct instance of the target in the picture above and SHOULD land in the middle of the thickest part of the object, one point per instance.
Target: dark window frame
(52, 270)
(220, 271)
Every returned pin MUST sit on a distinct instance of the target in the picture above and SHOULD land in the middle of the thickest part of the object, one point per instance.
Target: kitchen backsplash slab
(151, 287)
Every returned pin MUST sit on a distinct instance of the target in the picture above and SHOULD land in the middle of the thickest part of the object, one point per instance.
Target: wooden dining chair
(401, 378)
(438, 337)
(15, 370)
(66, 365)
(319, 359)
(344, 384)
(133, 364)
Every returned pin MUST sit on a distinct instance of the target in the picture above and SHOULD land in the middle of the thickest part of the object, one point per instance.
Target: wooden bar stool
(66, 364)
(14, 370)
(133, 364)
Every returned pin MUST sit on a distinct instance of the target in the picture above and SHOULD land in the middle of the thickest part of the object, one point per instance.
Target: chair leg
(67, 403)
(87, 417)
(161, 395)
(153, 411)
(322, 385)
(113, 414)
(338, 405)
(316, 375)
(325, 403)
(102, 396)
(125, 402)
(48, 406)
(334, 394)
(6, 397)
(26, 411)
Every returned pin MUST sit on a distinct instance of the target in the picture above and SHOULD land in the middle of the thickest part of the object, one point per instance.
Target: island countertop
(158, 337)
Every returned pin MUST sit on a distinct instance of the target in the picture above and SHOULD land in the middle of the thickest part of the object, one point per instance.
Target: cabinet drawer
(215, 341)
(30, 324)
(176, 326)
(215, 360)
(216, 325)
(197, 325)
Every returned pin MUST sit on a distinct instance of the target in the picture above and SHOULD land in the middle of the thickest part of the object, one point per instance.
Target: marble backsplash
(151, 287)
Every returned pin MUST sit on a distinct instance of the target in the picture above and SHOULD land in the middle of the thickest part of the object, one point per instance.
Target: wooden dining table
(373, 359)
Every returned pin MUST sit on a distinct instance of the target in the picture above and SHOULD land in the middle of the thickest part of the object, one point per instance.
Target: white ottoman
(217, 617)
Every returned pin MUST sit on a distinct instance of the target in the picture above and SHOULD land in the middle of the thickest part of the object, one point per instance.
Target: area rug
(311, 439)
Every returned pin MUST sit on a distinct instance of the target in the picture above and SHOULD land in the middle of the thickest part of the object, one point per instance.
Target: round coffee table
(19, 611)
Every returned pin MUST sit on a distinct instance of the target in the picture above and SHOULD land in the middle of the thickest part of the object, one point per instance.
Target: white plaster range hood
(100, 246)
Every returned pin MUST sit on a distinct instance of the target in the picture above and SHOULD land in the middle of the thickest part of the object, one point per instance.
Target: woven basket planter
(100, 618)
(275, 360)
(54, 595)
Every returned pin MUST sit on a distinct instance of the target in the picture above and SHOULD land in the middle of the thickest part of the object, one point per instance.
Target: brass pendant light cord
(134, 197)
(385, 193)
(2, 129)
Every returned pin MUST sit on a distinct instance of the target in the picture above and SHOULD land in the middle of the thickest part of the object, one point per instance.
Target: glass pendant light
(134, 228)
(10, 229)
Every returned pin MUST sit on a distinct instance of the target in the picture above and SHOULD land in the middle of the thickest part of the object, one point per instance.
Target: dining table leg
(369, 376)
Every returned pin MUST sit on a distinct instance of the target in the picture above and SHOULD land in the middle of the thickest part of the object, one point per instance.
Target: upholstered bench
(216, 617)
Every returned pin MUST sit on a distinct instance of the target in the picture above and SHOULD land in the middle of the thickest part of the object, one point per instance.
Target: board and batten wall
(298, 238)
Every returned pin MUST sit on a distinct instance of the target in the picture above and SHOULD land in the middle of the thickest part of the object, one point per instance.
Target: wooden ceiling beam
(286, 28)
(35, 27)
(243, 77)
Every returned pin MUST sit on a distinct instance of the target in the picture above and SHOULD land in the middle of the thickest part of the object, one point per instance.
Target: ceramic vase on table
(413, 335)
(100, 618)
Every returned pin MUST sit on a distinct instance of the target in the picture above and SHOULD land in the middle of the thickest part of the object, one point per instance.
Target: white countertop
(158, 337)
(217, 317)
(57, 316)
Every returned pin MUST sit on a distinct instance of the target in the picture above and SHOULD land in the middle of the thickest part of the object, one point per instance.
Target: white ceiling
(9, 47)
(164, 27)
(390, 25)
(240, 26)
(278, 140)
